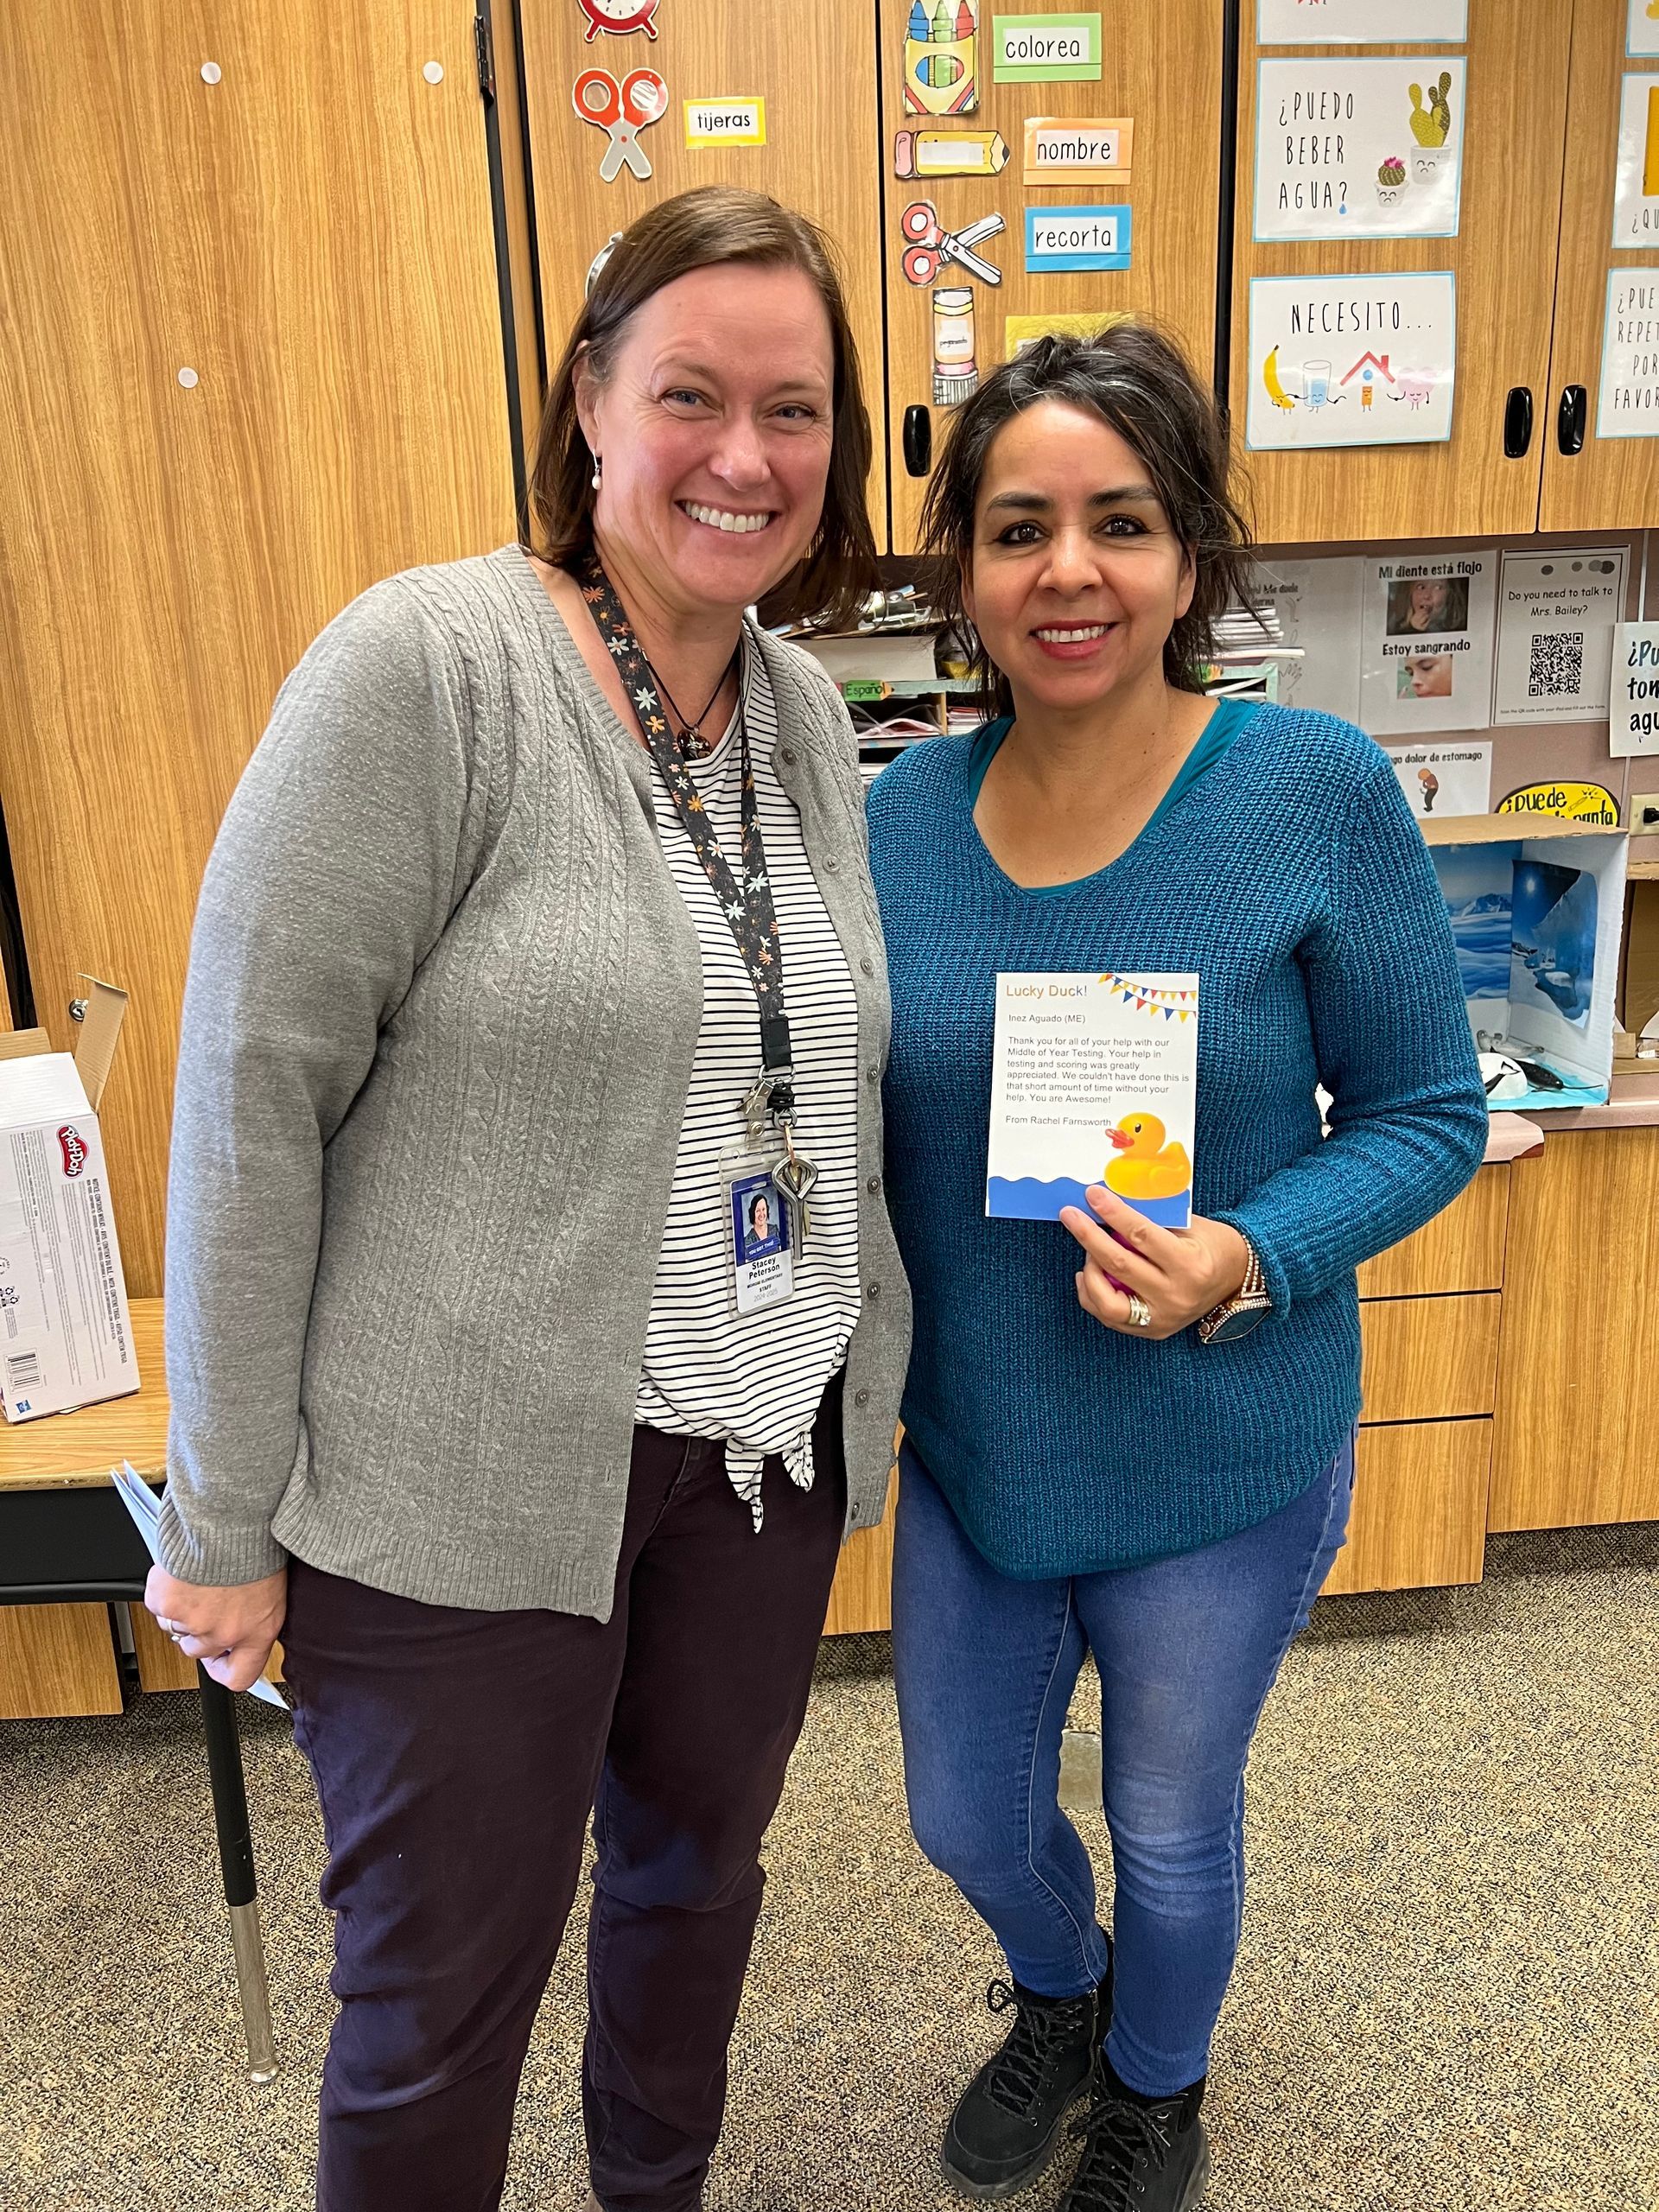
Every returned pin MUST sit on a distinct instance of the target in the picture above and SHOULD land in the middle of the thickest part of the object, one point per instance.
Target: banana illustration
(1276, 391)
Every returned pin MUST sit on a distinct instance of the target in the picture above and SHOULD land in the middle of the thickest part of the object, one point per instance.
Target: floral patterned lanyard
(749, 911)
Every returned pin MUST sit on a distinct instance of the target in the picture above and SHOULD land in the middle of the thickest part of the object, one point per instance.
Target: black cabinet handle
(918, 440)
(1517, 421)
(1570, 419)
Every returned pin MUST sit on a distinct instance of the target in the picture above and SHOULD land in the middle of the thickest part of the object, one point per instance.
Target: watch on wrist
(1236, 1316)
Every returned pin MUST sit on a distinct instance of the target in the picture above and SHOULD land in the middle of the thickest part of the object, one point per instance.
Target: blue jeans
(1187, 1649)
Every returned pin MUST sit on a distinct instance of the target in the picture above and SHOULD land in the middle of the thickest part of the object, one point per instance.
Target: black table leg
(236, 1864)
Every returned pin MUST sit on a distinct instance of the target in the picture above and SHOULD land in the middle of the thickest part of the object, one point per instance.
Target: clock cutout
(619, 16)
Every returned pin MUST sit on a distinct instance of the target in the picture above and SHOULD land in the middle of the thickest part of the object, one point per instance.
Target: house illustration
(1367, 368)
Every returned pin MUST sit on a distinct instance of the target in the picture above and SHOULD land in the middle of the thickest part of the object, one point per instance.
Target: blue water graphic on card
(1029, 1200)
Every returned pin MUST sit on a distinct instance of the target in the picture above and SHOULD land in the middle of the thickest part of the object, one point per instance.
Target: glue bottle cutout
(956, 364)
(941, 57)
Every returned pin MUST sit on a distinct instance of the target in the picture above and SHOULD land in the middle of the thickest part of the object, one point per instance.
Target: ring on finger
(1139, 1312)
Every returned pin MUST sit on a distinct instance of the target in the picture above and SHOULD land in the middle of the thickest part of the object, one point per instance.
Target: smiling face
(761, 1220)
(1076, 578)
(714, 427)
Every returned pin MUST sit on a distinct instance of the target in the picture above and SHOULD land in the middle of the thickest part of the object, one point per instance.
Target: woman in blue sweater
(1124, 1439)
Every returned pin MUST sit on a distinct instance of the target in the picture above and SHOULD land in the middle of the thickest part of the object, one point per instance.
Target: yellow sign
(725, 123)
(1565, 802)
(1019, 331)
(1082, 149)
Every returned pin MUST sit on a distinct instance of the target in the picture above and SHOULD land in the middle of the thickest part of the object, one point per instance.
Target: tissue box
(1537, 923)
(65, 1335)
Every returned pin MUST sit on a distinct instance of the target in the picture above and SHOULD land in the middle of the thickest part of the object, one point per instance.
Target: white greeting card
(1093, 1081)
(1348, 149)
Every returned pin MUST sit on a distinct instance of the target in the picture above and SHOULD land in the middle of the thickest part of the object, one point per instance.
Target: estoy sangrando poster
(1426, 657)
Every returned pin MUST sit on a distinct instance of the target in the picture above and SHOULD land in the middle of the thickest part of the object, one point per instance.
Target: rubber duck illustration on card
(1145, 1166)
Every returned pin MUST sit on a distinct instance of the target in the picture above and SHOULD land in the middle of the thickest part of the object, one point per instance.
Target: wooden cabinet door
(1161, 70)
(1604, 294)
(250, 360)
(1505, 262)
(815, 69)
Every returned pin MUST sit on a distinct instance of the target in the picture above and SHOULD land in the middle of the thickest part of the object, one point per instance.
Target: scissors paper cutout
(623, 110)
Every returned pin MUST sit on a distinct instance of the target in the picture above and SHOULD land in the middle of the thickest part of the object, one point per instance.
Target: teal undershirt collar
(1217, 737)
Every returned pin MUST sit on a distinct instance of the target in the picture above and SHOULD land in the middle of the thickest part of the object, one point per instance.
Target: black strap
(748, 910)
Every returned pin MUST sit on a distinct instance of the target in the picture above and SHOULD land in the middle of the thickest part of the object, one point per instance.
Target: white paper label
(1556, 617)
(1318, 606)
(1426, 659)
(725, 123)
(1633, 725)
(1361, 23)
(1359, 148)
(1364, 360)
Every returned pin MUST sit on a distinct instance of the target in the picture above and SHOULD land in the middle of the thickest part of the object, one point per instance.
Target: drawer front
(1420, 1507)
(1428, 1358)
(1462, 1248)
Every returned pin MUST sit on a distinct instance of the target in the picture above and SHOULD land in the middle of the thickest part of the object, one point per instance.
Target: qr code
(1557, 664)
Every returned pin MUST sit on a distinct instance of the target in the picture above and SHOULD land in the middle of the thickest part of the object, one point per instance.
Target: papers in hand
(145, 1508)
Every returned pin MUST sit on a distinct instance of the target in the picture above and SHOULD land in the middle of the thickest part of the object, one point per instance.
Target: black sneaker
(1008, 2119)
(1138, 2154)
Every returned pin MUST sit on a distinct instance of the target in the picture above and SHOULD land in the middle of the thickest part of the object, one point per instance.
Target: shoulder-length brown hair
(1140, 384)
(706, 229)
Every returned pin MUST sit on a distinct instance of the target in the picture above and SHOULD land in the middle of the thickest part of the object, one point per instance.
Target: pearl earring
(598, 465)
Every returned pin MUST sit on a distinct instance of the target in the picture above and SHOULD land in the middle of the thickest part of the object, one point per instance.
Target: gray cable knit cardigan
(443, 1003)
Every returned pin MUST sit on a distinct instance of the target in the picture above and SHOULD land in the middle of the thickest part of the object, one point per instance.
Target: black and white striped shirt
(755, 1379)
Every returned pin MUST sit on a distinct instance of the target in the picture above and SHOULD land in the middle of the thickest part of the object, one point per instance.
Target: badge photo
(763, 1266)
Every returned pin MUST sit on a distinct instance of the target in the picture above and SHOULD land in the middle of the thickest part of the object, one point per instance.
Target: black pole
(229, 1792)
(1230, 47)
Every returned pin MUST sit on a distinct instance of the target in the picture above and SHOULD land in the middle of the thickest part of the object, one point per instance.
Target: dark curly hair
(1140, 383)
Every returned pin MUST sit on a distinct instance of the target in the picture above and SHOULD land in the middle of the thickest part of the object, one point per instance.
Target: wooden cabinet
(250, 360)
(1161, 71)
(1505, 262)
(1420, 1507)
(1612, 483)
(814, 68)
(1577, 1431)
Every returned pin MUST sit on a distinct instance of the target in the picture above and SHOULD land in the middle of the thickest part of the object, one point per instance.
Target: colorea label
(1077, 238)
(1047, 50)
(725, 123)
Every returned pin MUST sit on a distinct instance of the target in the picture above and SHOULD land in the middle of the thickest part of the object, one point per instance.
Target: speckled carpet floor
(1446, 2000)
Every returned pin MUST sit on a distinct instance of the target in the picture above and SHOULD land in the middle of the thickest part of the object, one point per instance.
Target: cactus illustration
(1430, 124)
(1391, 172)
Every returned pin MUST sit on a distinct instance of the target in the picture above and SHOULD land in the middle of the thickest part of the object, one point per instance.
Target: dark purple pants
(457, 1755)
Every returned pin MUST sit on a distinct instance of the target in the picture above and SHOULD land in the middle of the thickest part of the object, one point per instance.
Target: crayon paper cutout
(956, 364)
(1636, 198)
(1049, 49)
(725, 123)
(949, 153)
(942, 57)
(1019, 331)
(619, 18)
(1084, 150)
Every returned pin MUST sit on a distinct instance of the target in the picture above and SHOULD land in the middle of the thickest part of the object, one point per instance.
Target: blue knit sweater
(1293, 879)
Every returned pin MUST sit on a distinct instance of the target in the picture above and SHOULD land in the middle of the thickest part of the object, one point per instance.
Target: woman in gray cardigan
(537, 942)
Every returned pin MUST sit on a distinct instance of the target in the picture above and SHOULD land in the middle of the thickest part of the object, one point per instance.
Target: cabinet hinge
(484, 45)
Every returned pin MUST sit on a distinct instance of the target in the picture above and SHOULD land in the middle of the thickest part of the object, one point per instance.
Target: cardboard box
(1537, 922)
(65, 1335)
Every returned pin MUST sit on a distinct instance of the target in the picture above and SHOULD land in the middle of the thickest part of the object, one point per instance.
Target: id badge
(760, 1248)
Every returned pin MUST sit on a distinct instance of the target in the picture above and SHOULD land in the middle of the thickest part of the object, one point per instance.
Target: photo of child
(1431, 606)
(1424, 675)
